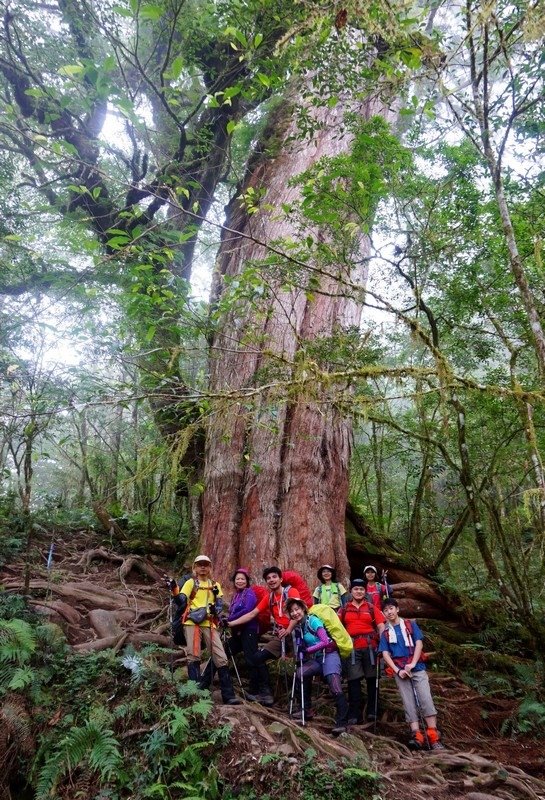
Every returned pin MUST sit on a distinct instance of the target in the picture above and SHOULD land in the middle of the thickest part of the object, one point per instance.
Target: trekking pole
(170, 617)
(225, 640)
(302, 687)
(420, 712)
(284, 665)
(377, 678)
(292, 693)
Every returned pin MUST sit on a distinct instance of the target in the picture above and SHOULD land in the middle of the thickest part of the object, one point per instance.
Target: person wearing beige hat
(330, 592)
(201, 601)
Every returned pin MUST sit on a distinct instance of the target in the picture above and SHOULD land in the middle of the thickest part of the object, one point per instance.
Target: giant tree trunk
(276, 472)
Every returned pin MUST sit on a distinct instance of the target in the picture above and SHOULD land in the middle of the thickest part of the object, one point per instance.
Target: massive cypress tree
(181, 76)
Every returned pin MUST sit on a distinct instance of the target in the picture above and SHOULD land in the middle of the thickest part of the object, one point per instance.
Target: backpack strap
(334, 589)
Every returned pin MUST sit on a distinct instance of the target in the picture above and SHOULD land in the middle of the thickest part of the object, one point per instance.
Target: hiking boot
(338, 729)
(226, 686)
(251, 698)
(416, 742)
(437, 746)
(371, 717)
(434, 739)
(194, 671)
(265, 699)
(353, 721)
(309, 714)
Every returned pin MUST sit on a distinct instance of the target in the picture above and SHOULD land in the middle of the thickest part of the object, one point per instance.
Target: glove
(170, 582)
(212, 610)
(224, 622)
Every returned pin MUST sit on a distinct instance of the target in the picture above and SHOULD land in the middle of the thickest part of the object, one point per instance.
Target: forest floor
(102, 599)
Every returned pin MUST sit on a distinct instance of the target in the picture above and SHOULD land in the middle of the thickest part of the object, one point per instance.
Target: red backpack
(296, 581)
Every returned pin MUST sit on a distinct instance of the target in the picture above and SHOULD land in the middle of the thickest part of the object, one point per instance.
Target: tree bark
(276, 473)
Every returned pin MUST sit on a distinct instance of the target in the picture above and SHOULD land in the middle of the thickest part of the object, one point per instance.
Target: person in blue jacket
(401, 647)
(320, 656)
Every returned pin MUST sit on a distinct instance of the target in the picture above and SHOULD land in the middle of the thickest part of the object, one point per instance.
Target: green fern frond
(202, 707)
(178, 722)
(21, 677)
(17, 641)
(190, 689)
(50, 636)
(88, 744)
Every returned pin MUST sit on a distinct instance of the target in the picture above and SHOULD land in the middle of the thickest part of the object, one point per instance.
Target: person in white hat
(201, 601)
(376, 592)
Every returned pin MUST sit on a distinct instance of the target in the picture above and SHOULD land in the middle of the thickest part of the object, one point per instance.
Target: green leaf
(122, 11)
(71, 70)
(175, 69)
(35, 92)
(151, 12)
(231, 126)
(258, 38)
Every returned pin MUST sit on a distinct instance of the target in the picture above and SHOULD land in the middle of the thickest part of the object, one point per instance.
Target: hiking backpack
(334, 627)
(334, 587)
(296, 581)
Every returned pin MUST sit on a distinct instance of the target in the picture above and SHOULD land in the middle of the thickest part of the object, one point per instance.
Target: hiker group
(333, 633)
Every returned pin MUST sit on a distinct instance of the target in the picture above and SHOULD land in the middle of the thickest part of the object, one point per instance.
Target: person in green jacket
(330, 592)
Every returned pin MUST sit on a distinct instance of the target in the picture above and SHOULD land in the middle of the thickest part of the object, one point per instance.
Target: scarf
(407, 638)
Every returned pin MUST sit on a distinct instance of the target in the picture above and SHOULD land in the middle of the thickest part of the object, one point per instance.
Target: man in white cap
(200, 599)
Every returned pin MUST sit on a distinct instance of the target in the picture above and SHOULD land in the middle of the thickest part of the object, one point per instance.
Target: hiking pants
(421, 684)
(246, 642)
(273, 649)
(212, 641)
(330, 668)
(355, 698)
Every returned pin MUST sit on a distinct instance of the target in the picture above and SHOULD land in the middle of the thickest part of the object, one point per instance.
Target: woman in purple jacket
(245, 638)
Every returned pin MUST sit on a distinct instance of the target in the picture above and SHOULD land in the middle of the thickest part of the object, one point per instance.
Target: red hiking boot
(417, 741)
(434, 739)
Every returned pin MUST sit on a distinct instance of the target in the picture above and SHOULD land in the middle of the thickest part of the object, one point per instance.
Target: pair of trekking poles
(299, 658)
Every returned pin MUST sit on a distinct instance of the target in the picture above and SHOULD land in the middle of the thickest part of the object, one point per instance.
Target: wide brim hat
(370, 566)
(202, 558)
(330, 568)
(300, 602)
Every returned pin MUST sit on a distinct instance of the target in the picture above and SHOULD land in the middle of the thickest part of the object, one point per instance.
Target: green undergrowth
(114, 726)
(315, 780)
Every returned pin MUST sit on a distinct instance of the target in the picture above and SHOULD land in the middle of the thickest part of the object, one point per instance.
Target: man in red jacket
(364, 622)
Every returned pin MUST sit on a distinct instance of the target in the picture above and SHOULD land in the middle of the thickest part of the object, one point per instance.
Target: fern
(179, 723)
(17, 641)
(190, 689)
(89, 744)
(531, 718)
(202, 707)
(23, 676)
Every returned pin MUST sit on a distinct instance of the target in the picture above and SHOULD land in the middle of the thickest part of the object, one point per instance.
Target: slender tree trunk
(481, 100)
(276, 474)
